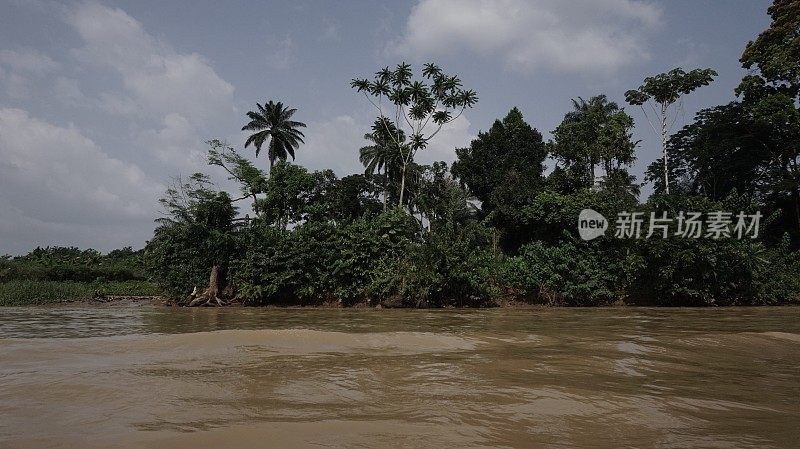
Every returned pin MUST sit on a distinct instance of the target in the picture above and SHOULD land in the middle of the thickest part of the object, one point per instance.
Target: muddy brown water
(140, 376)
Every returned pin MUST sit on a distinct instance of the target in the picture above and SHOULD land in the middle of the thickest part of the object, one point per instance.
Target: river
(143, 376)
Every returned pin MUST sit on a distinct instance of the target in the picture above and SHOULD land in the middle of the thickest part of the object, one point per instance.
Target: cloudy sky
(102, 103)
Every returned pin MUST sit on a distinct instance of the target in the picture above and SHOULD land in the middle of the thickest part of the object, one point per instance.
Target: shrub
(571, 272)
(451, 267)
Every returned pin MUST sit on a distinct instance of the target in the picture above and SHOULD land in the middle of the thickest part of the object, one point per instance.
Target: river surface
(142, 376)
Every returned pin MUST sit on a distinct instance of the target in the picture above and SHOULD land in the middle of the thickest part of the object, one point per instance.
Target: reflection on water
(142, 376)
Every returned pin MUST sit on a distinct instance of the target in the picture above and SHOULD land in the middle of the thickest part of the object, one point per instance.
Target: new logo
(591, 224)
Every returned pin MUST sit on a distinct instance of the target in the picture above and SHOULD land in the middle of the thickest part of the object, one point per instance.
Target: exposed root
(209, 297)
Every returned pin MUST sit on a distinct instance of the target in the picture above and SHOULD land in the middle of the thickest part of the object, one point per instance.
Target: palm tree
(382, 155)
(273, 122)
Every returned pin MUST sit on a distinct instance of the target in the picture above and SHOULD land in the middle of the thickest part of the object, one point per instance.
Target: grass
(27, 292)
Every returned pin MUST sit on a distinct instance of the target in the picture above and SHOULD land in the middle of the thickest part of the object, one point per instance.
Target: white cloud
(176, 143)
(158, 81)
(58, 175)
(20, 67)
(283, 56)
(68, 91)
(330, 30)
(16, 86)
(334, 144)
(530, 35)
(30, 61)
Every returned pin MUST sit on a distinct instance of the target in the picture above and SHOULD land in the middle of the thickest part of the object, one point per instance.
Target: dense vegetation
(57, 274)
(500, 223)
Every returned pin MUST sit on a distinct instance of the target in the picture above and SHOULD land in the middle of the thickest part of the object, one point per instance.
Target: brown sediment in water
(152, 377)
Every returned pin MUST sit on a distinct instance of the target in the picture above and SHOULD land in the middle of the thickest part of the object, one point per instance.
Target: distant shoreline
(164, 301)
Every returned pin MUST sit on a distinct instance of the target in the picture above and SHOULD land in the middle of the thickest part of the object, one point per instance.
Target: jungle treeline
(499, 224)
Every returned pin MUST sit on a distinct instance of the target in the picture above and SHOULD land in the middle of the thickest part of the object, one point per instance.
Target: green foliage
(252, 180)
(29, 292)
(198, 233)
(436, 99)
(181, 255)
(384, 156)
(273, 122)
(571, 272)
(56, 274)
(551, 216)
(318, 261)
(777, 276)
(288, 191)
(61, 264)
(596, 132)
(771, 93)
(667, 88)
(410, 235)
(664, 90)
(716, 154)
(775, 53)
(506, 161)
(452, 267)
(504, 168)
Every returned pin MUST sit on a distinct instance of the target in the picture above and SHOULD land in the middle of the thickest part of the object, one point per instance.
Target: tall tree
(504, 168)
(771, 93)
(413, 105)
(663, 91)
(722, 150)
(595, 133)
(273, 122)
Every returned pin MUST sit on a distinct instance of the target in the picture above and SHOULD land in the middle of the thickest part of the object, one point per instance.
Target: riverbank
(150, 295)
(31, 292)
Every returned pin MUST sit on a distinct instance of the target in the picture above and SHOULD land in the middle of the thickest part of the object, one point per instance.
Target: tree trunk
(796, 201)
(403, 184)
(385, 188)
(209, 296)
(664, 147)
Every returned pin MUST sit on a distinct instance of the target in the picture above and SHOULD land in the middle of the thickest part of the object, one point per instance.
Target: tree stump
(209, 296)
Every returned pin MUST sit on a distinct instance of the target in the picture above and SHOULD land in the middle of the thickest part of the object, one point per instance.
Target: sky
(103, 103)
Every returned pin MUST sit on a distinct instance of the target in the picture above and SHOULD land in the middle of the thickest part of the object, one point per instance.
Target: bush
(451, 267)
(571, 272)
(72, 264)
(181, 255)
(318, 261)
(27, 292)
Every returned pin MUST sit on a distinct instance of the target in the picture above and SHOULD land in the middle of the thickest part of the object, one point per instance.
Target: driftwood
(209, 297)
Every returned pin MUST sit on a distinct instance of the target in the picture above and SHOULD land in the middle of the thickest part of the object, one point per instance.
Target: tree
(353, 197)
(196, 236)
(441, 199)
(383, 155)
(721, 151)
(663, 91)
(595, 132)
(273, 122)
(287, 192)
(194, 201)
(771, 93)
(252, 181)
(504, 168)
(507, 158)
(436, 100)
